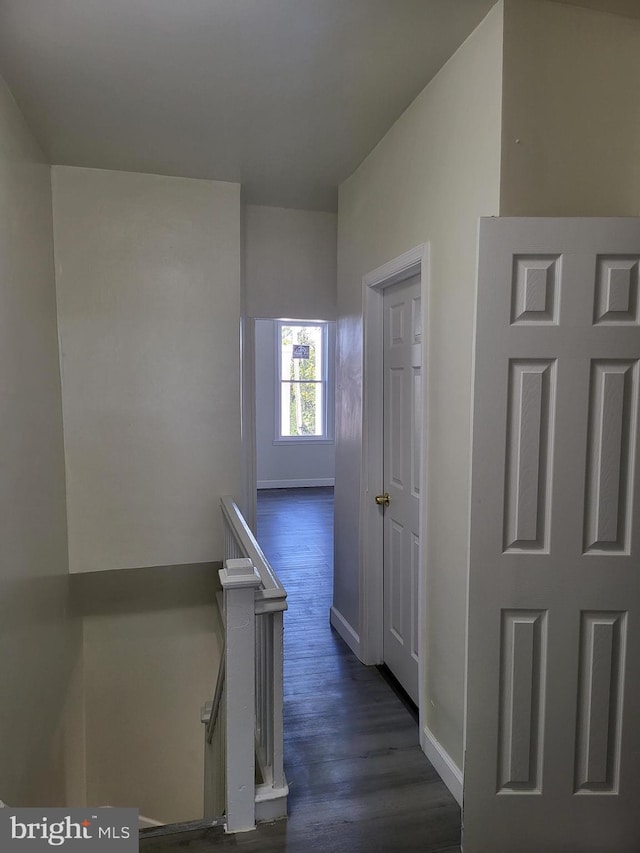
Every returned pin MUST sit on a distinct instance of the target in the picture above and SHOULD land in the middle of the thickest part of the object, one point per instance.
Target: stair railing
(242, 773)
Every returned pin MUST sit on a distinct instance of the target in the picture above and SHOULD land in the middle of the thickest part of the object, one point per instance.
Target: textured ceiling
(285, 96)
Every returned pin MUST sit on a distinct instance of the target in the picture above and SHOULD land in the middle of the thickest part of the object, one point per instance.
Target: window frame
(326, 382)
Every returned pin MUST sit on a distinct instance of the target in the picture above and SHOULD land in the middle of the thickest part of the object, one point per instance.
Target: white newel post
(239, 581)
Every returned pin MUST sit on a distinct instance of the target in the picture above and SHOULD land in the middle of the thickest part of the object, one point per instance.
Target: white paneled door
(402, 353)
(552, 756)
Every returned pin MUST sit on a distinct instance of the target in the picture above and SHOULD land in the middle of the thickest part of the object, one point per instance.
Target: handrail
(271, 595)
(217, 699)
(249, 692)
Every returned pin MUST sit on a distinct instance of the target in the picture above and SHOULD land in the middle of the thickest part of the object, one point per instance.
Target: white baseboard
(143, 822)
(345, 630)
(295, 484)
(447, 769)
(148, 822)
(271, 803)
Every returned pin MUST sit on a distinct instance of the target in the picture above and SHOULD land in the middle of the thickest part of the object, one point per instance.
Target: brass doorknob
(383, 500)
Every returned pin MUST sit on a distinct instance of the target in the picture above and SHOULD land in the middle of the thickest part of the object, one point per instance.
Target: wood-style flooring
(359, 782)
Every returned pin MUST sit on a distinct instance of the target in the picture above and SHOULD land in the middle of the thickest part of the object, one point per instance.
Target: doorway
(392, 570)
(399, 502)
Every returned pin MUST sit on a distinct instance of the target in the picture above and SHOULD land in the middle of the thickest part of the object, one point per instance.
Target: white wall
(39, 643)
(148, 279)
(289, 271)
(152, 643)
(289, 263)
(572, 100)
(434, 173)
(283, 465)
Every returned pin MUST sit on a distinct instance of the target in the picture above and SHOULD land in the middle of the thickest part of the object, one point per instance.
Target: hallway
(359, 782)
(354, 766)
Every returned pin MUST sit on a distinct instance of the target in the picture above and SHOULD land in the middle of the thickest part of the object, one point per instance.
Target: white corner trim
(447, 769)
(345, 630)
(295, 484)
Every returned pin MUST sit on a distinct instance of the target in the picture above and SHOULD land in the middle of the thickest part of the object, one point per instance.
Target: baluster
(264, 705)
(265, 671)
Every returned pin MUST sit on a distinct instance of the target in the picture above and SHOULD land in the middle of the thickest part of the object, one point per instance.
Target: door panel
(552, 743)
(402, 436)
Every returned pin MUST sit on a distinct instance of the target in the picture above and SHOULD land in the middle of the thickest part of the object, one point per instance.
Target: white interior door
(553, 684)
(402, 353)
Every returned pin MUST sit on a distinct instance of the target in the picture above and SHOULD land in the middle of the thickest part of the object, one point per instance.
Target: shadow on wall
(152, 642)
(155, 588)
(40, 651)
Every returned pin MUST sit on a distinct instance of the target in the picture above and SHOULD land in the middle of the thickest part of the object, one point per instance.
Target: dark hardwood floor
(359, 782)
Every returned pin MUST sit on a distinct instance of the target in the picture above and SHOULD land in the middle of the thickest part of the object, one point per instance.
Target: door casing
(411, 263)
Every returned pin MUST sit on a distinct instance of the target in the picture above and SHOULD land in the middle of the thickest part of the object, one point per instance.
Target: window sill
(303, 439)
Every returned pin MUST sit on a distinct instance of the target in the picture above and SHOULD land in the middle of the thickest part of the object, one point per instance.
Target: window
(303, 366)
